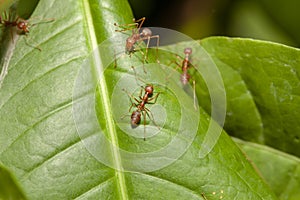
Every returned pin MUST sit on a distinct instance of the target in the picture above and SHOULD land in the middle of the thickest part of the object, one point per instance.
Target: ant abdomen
(135, 119)
(188, 51)
(146, 32)
(184, 78)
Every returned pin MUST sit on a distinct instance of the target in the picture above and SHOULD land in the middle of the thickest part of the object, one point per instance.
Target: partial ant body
(23, 26)
(185, 76)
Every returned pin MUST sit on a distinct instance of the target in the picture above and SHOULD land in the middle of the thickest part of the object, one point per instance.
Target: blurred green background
(272, 20)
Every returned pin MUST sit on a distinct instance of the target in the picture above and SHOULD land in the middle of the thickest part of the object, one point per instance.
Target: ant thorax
(130, 42)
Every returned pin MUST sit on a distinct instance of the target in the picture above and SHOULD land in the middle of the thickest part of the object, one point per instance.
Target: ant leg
(151, 117)
(40, 21)
(33, 46)
(132, 104)
(131, 97)
(143, 54)
(144, 116)
(126, 27)
(176, 68)
(147, 46)
(18, 18)
(140, 20)
(153, 98)
(194, 94)
(116, 57)
(141, 91)
(144, 64)
(157, 45)
(125, 115)
(136, 77)
(139, 47)
(148, 38)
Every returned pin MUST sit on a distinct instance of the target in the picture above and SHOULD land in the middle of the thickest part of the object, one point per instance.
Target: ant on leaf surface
(140, 105)
(22, 26)
(135, 40)
(185, 76)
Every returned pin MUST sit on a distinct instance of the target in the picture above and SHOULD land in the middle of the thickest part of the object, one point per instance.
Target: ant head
(149, 89)
(146, 32)
(23, 25)
(188, 51)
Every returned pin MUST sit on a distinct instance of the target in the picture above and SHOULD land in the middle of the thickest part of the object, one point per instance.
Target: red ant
(140, 106)
(185, 76)
(137, 36)
(21, 24)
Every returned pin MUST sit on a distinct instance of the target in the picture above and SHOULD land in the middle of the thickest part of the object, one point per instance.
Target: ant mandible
(137, 36)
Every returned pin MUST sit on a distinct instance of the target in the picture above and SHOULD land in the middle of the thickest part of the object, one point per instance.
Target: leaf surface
(9, 189)
(44, 147)
(262, 86)
(269, 162)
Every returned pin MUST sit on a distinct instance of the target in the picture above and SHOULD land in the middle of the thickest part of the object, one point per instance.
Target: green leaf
(42, 142)
(269, 161)
(252, 72)
(262, 86)
(8, 187)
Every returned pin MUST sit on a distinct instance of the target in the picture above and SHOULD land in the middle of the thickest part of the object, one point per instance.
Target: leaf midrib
(7, 57)
(116, 157)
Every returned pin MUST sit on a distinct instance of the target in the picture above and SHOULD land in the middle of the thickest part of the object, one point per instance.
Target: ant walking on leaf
(140, 105)
(134, 41)
(22, 26)
(185, 76)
